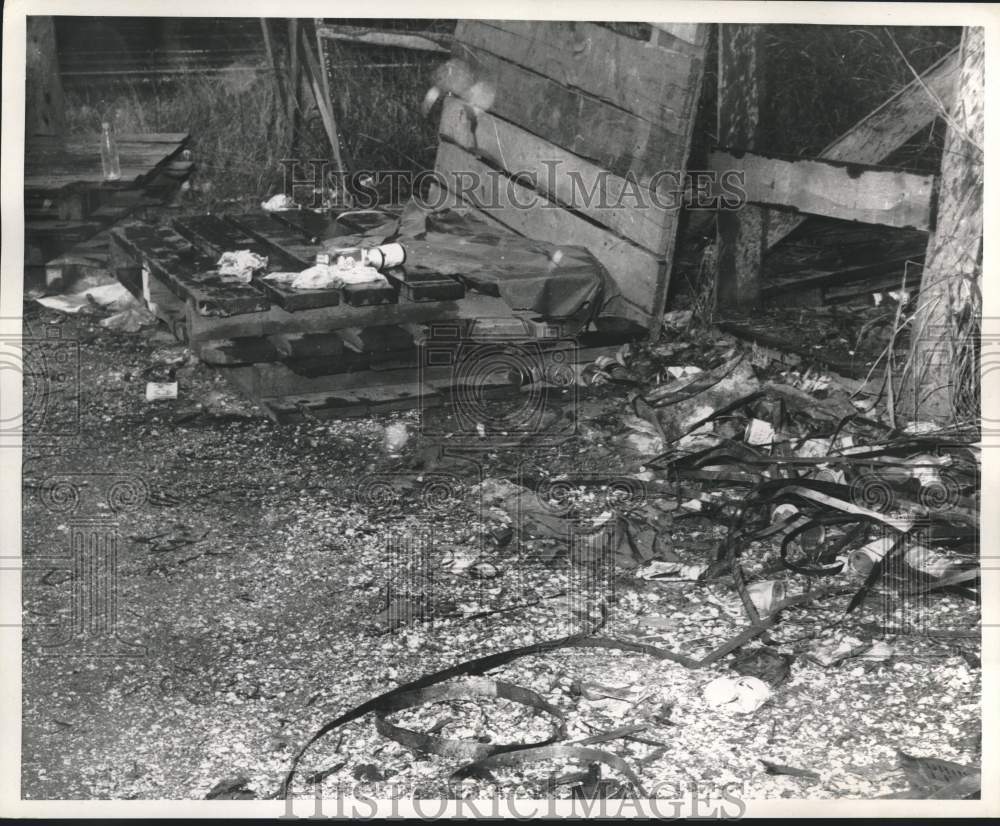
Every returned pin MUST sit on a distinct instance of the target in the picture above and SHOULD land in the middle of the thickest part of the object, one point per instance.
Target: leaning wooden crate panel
(584, 121)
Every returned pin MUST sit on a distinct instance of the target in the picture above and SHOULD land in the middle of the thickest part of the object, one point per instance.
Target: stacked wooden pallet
(68, 205)
(332, 352)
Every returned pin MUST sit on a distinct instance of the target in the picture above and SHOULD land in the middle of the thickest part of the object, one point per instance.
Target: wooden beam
(293, 84)
(45, 111)
(423, 41)
(850, 192)
(315, 74)
(689, 38)
(876, 136)
(943, 382)
(740, 233)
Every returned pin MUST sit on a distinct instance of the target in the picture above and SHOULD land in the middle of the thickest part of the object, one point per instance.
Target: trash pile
(798, 493)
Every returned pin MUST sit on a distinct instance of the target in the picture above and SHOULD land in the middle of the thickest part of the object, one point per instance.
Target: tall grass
(236, 127)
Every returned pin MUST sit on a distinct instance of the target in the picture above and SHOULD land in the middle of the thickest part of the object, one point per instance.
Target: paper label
(156, 391)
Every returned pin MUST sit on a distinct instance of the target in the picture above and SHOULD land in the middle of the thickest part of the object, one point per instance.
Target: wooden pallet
(68, 204)
(328, 352)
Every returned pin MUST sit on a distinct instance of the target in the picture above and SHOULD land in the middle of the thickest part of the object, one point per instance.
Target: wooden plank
(369, 391)
(313, 226)
(236, 351)
(153, 144)
(308, 345)
(154, 137)
(351, 403)
(187, 272)
(813, 279)
(216, 235)
(264, 227)
(90, 254)
(319, 84)
(425, 286)
(429, 42)
(740, 233)
(849, 192)
(45, 112)
(582, 124)
(640, 78)
(380, 339)
(326, 319)
(692, 33)
(626, 209)
(636, 271)
(877, 135)
(51, 164)
(277, 379)
(351, 362)
(65, 232)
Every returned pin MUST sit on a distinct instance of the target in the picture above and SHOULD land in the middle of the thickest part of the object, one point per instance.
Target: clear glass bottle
(110, 162)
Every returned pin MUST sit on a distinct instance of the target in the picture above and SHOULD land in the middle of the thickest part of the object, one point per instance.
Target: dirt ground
(253, 567)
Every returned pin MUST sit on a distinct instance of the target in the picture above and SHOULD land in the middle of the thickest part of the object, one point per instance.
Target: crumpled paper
(278, 203)
(241, 265)
(326, 277)
(743, 695)
(111, 296)
(130, 320)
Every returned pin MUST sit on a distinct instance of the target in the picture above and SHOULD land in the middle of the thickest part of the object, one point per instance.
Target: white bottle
(110, 163)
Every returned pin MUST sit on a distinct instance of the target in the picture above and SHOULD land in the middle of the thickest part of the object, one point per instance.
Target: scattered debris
(744, 695)
(241, 265)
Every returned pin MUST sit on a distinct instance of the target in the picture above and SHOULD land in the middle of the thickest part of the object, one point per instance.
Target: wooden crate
(579, 106)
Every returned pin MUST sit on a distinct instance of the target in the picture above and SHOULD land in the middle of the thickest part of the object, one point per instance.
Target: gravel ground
(251, 597)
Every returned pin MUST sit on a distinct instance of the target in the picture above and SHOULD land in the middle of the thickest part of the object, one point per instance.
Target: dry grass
(239, 127)
(233, 119)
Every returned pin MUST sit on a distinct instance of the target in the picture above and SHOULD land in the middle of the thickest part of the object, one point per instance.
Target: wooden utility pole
(941, 383)
(742, 233)
(45, 112)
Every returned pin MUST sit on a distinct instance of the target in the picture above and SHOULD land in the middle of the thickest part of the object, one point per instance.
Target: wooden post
(293, 83)
(741, 233)
(45, 112)
(280, 105)
(314, 71)
(941, 383)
